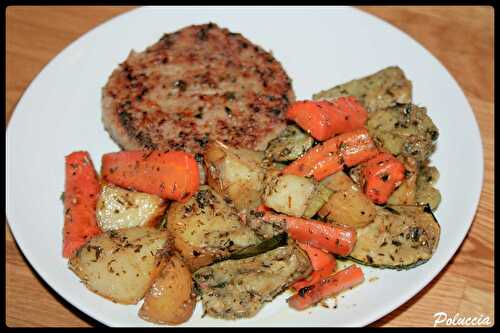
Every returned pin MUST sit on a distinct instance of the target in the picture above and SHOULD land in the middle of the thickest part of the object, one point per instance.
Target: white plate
(319, 47)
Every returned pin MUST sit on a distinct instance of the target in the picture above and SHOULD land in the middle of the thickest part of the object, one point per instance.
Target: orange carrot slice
(312, 117)
(382, 174)
(324, 119)
(334, 239)
(323, 160)
(323, 264)
(171, 175)
(81, 191)
(263, 208)
(326, 287)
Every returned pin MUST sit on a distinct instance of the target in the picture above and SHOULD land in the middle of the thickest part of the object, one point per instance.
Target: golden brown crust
(197, 84)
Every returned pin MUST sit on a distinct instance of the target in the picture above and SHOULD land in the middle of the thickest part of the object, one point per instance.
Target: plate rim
(376, 315)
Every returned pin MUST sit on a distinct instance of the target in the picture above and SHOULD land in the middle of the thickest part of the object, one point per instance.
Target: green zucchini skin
(289, 145)
(409, 238)
(394, 267)
(267, 245)
(317, 200)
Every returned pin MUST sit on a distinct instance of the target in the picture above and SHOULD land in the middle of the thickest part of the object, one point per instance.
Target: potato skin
(206, 228)
(347, 205)
(236, 174)
(118, 208)
(121, 265)
(171, 299)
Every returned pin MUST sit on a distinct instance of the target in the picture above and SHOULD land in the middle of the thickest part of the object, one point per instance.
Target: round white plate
(319, 48)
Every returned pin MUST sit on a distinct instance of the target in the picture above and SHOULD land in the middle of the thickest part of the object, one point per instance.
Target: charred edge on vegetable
(302, 292)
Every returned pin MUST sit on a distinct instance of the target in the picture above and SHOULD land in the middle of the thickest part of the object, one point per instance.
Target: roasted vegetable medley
(349, 177)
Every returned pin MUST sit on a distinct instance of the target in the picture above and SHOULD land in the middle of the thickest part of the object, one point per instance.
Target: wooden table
(460, 37)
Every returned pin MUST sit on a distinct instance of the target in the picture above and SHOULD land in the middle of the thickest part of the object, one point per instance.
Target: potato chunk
(120, 265)
(118, 208)
(234, 289)
(171, 299)
(206, 228)
(235, 174)
(289, 194)
(348, 204)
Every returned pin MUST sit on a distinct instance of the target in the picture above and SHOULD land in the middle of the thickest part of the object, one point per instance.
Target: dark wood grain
(460, 37)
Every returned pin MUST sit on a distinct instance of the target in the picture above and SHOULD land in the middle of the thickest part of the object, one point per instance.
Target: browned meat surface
(197, 84)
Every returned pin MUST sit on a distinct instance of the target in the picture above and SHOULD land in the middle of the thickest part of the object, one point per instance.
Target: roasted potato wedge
(206, 228)
(120, 265)
(347, 205)
(293, 195)
(118, 208)
(236, 174)
(288, 194)
(171, 298)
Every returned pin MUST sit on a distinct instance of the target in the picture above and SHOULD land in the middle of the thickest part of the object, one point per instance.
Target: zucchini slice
(385, 88)
(401, 237)
(289, 145)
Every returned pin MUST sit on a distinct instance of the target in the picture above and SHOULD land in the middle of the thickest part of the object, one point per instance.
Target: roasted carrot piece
(319, 258)
(323, 264)
(382, 174)
(262, 208)
(323, 160)
(312, 117)
(334, 239)
(356, 147)
(81, 191)
(171, 175)
(324, 119)
(319, 161)
(326, 287)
